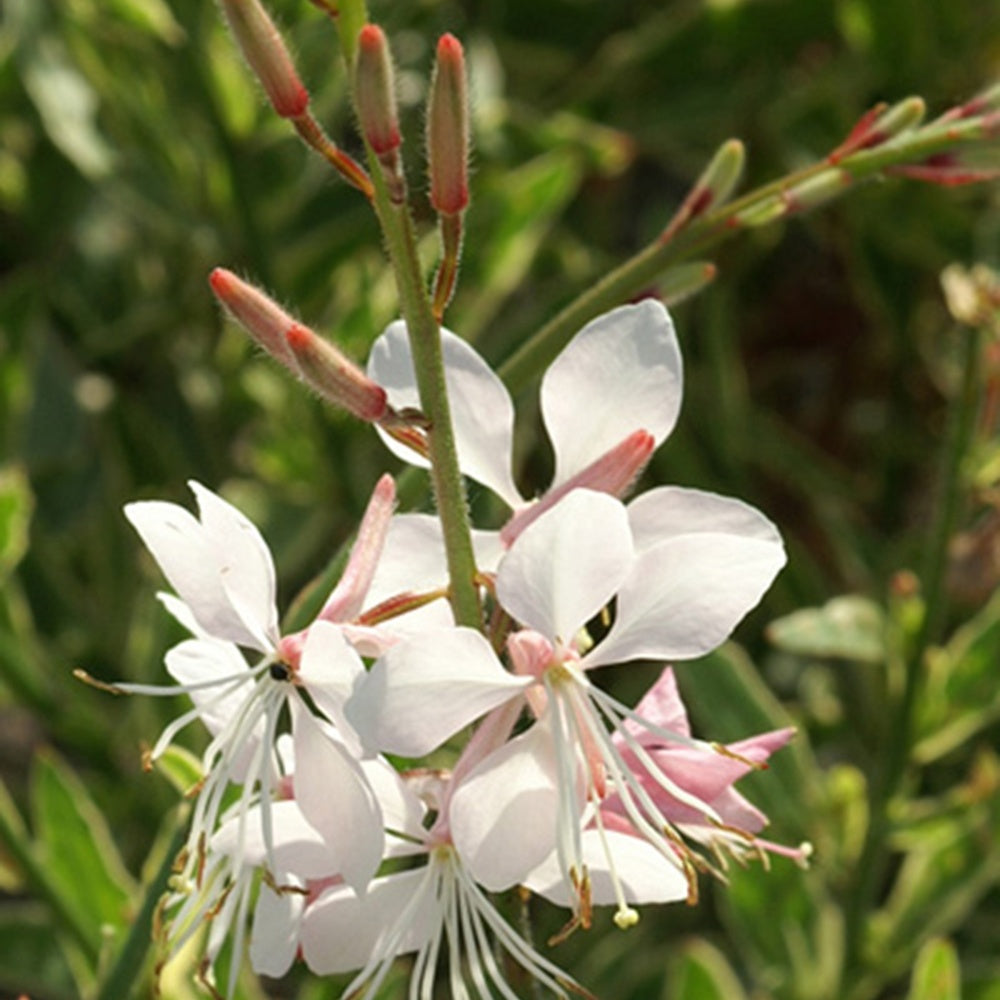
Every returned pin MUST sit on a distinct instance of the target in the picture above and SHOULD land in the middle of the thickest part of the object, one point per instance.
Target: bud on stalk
(267, 56)
(713, 187)
(336, 378)
(259, 315)
(375, 97)
(448, 159)
(448, 129)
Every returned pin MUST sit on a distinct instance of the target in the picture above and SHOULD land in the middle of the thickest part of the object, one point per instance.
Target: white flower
(434, 910)
(608, 400)
(223, 576)
(682, 568)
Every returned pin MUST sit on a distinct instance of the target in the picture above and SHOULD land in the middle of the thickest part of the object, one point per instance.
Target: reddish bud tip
(335, 377)
(259, 315)
(448, 129)
(375, 92)
(266, 54)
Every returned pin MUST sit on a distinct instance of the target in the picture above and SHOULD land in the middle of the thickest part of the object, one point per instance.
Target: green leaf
(76, 850)
(936, 974)
(846, 628)
(702, 972)
(67, 106)
(15, 516)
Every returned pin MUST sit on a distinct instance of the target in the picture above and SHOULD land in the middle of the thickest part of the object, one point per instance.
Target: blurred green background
(826, 382)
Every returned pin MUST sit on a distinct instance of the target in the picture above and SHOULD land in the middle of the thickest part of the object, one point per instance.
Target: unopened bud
(373, 78)
(816, 190)
(714, 187)
(448, 129)
(267, 56)
(265, 321)
(375, 95)
(901, 117)
(721, 176)
(878, 125)
(685, 280)
(335, 377)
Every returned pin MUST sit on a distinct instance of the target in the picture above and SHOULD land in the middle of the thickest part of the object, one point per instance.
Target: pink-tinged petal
(481, 408)
(621, 373)
(274, 936)
(614, 472)
(567, 565)
(685, 596)
(503, 816)
(661, 705)
(671, 511)
(341, 931)
(348, 597)
(425, 689)
(195, 661)
(645, 874)
(181, 547)
(329, 670)
(336, 799)
(244, 562)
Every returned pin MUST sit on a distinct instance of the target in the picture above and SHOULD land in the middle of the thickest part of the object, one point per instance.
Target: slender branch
(789, 195)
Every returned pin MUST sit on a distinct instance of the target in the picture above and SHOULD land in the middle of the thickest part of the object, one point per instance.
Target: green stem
(716, 227)
(121, 978)
(887, 780)
(428, 364)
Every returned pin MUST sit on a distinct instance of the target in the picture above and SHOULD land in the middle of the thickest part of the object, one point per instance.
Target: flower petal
(274, 936)
(670, 511)
(481, 408)
(330, 670)
(335, 797)
(621, 373)
(503, 815)
(244, 562)
(197, 661)
(684, 597)
(567, 565)
(341, 931)
(427, 688)
(180, 545)
(645, 875)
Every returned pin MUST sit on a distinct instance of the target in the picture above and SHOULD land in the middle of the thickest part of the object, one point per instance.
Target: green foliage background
(823, 375)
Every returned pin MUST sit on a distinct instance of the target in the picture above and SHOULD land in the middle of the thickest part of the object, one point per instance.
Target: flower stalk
(425, 340)
(764, 204)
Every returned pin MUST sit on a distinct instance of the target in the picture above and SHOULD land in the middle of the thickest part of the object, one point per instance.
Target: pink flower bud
(448, 129)
(375, 92)
(260, 316)
(267, 56)
(335, 377)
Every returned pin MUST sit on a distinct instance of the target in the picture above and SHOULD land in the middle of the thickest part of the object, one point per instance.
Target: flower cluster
(322, 827)
(348, 861)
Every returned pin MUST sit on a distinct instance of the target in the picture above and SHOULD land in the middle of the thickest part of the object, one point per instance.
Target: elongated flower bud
(712, 188)
(448, 129)
(262, 317)
(373, 78)
(335, 377)
(266, 54)
(375, 96)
